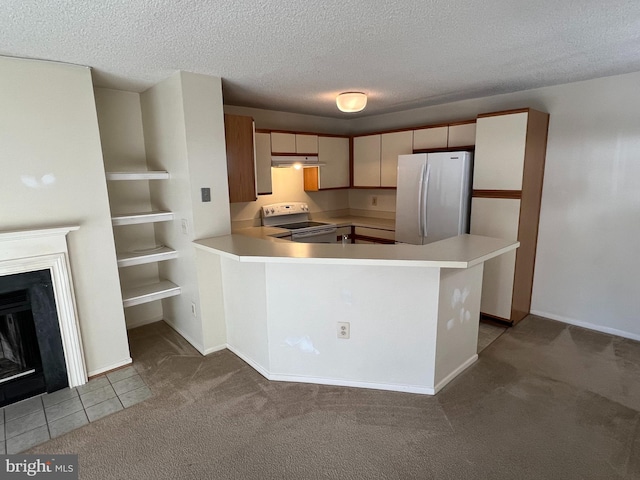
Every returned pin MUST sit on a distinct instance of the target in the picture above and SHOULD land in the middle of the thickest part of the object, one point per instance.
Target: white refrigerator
(433, 198)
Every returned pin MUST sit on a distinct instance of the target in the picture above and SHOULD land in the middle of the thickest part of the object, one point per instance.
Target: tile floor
(36, 420)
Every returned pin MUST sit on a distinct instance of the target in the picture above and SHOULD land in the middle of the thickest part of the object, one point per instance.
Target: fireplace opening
(31, 351)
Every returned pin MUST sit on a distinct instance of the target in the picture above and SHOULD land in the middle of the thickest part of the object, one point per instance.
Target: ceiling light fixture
(351, 102)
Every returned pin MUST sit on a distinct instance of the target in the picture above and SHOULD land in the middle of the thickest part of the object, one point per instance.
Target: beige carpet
(544, 401)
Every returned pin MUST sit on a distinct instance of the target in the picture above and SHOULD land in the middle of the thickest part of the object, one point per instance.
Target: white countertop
(463, 251)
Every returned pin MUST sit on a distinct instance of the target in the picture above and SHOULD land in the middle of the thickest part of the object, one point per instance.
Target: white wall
(274, 120)
(184, 134)
(122, 137)
(288, 186)
(361, 202)
(586, 266)
(48, 126)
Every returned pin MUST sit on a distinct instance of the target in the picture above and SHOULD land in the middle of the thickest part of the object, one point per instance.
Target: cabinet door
(434, 137)
(376, 235)
(366, 161)
(263, 163)
(283, 142)
(241, 170)
(499, 154)
(334, 153)
(392, 145)
(462, 135)
(497, 217)
(306, 143)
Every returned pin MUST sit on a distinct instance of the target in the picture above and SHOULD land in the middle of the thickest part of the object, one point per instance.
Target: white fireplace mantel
(24, 251)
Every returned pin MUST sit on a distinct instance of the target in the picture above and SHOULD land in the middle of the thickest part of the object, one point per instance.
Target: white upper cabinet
(366, 161)
(463, 135)
(263, 162)
(293, 143)
(392, 145)
(333, 152)
(433, 137)
(283, 142)
(306, 143)
(499, 153)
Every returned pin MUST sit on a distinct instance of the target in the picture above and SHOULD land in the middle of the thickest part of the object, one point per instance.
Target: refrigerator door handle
(423, 201)
(420, 202)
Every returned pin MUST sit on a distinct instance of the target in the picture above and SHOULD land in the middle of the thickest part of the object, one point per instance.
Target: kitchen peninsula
(410, 311)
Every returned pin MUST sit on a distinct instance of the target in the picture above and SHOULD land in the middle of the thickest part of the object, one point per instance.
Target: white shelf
(142, 217)
(129, 259)
(149, 293)
(146, 175)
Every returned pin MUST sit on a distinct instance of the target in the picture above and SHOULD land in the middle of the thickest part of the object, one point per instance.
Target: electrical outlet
(344, 330)
(193, 310)
(185, 227)
(374, 201)
(205, 193)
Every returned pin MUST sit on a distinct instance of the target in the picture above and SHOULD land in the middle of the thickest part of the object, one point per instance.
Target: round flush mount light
(351, 102)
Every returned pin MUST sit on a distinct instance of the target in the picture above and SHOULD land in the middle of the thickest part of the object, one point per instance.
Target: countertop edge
(287, 252)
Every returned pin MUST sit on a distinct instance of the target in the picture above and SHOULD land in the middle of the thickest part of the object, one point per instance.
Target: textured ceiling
(296, 56)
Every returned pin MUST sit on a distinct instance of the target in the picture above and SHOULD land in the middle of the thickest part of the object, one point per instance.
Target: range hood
(295, 161)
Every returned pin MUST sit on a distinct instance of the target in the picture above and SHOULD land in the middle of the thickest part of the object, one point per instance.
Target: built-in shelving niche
(139, 295)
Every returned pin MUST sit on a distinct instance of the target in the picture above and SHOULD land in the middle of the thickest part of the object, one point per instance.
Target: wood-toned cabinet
(333, 154)
(510, 149)
(241, 168)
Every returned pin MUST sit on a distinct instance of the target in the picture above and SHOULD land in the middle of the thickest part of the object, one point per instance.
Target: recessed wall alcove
(37, 300)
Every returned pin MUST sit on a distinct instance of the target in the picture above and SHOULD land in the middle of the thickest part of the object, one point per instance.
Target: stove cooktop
(298, 225)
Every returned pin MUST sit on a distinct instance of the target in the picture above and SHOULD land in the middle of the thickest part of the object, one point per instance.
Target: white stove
(294, 216)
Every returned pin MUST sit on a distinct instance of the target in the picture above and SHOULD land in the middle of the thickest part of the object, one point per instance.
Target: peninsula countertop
(463, 251)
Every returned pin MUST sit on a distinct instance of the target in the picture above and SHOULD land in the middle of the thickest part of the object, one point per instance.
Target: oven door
(325, 235)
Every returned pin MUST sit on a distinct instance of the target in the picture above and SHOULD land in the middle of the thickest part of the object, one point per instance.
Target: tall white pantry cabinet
(507, 189)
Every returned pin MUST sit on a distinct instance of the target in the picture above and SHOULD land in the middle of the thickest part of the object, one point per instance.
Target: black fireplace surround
(31, 352)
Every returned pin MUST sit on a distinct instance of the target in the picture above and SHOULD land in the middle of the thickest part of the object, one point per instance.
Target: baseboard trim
(253, 364)
(587, 325)
(141, 323)
(278, 377)
(184, 335)
(100, 371)
(215, 349)
(349, 383)
(442, 383)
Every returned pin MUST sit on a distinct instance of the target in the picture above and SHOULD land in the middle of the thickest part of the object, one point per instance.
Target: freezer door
(410, 197)
(448, 195)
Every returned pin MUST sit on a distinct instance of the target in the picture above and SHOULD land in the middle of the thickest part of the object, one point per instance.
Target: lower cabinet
(373, 235)
(497, 217)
